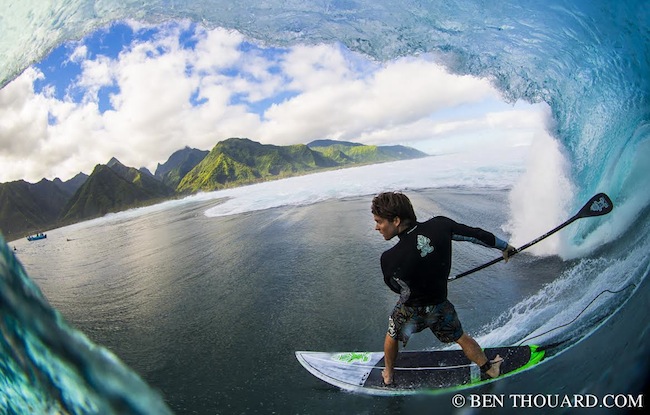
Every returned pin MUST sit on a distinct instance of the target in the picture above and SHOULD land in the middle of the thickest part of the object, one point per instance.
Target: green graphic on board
(363, 357)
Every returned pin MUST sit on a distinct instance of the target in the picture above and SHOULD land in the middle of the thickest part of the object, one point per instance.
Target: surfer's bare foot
(388, 377)
(495, 368)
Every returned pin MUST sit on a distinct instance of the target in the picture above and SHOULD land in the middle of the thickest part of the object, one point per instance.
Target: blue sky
(140, 92)
(61, 72)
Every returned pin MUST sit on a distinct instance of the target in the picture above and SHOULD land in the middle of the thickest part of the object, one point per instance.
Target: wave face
(47, 367)
(588, 60)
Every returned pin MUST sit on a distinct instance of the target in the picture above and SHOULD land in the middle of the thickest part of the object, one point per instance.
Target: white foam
(479, 169)
(564, 305)
(542, 196)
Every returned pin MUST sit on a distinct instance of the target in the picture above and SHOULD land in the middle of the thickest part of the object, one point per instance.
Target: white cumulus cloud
(165, 94)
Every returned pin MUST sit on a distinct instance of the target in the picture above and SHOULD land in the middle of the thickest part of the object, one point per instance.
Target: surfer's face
(387, 228)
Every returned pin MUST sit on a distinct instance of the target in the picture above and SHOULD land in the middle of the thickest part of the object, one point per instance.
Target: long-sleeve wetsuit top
(418, 266)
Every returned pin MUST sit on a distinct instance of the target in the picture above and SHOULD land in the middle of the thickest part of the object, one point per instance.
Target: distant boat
(37, 237)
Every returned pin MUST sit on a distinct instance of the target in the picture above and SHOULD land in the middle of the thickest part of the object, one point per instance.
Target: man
(417, 268)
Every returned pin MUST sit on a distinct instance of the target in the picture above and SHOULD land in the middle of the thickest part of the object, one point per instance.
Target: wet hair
(391, 205)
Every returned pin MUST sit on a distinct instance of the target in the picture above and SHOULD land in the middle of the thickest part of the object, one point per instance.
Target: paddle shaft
(598, 205)
(521, 248)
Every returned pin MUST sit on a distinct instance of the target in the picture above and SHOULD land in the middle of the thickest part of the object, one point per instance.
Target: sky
(140, 92)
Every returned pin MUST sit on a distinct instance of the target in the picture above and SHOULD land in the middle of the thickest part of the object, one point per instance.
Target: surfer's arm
(478, 236)
(482, 237)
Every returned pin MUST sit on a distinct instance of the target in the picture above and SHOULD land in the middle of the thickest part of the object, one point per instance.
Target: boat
(37, 237)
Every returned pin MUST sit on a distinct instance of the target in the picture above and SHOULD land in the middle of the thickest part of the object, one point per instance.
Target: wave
(589, 61)
(50, 368)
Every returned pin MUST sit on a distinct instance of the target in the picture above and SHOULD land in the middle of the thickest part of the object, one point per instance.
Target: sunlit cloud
(180, 84)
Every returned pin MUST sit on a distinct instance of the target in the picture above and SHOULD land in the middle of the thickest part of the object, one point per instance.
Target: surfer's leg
(474, 353)
(391, 347)
(396, 322)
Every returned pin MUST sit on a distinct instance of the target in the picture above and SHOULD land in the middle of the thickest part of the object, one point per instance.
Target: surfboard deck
(427, 371)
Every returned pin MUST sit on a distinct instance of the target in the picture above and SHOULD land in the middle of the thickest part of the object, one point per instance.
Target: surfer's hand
(508, 252)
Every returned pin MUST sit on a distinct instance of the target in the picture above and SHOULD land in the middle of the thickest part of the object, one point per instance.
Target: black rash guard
(418, 266)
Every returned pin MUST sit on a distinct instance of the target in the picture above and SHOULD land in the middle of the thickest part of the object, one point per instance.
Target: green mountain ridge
(238, 161)
(27, 208)
(178, 165)
(348, 152)
(112, 188)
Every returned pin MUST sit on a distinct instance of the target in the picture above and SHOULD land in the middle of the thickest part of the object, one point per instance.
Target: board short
(440, 318)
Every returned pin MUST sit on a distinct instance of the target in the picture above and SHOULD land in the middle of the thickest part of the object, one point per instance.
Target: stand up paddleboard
(433, 371)
(415, 371)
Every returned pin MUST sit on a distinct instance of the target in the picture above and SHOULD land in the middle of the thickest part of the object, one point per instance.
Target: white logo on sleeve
(424, 245)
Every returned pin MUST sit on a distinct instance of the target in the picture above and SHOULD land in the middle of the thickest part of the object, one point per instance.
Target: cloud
(165, 95)
(343, 105)
(23, 126)
(95, 74)
(79, 54)
(316, 67)
(216, 50)
(23, 116)
(31, 148)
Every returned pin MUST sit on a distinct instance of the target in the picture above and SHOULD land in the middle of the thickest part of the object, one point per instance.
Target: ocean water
(209, 309)
(207, 298)
(201, 302)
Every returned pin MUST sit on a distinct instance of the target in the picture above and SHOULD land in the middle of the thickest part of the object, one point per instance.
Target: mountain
(178, 165)
(71, 186)
(26, 207)
(237, 161)
(328, 143)
(402, 152)
(346, 152)
(111, 188)
(146, 171)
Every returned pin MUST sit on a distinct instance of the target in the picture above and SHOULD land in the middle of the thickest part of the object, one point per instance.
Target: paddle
(598, 205)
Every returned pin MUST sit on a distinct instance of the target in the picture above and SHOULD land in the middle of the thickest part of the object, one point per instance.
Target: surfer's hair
(391, 205)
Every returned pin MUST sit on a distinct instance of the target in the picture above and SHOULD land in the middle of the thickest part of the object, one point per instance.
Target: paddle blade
(598, 205)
